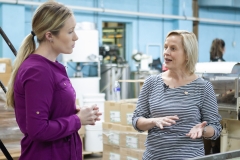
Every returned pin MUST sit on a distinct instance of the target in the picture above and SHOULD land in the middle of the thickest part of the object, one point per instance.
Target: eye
(173, 49)
(70, 32)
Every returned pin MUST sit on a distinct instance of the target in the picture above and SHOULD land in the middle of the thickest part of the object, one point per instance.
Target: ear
(49, 36)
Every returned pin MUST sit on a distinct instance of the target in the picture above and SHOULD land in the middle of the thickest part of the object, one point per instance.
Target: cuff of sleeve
(134, 123)
(216, 135)
(78, 122)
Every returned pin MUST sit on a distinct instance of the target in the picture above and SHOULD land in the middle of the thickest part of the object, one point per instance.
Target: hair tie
(33, 34)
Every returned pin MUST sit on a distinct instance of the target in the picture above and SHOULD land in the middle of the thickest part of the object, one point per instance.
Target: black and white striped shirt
(198, 105)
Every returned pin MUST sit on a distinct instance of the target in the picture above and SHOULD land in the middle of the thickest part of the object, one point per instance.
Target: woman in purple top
(41, 93)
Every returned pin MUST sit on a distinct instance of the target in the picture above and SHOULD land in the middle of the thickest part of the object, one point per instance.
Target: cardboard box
(131, 154)
(81, 131)
(142, 139)
(129, 137)
(111, 152)
(5, 70)
(112, 112)
(111, 134)
(81, 137)
(133, 100)
(127, 110)
(4, 78)
(5, 65)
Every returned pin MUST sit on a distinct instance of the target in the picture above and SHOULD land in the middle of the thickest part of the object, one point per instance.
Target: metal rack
(2, 147)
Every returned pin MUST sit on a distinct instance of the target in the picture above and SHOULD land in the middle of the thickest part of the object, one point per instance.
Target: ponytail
(28, 47)
(50, 16)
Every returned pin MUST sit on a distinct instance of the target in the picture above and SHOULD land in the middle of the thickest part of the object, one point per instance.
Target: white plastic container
(93, 138)
(98, 99)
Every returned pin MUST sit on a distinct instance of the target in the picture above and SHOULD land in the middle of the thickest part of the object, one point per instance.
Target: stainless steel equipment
(136, 75)
(224, 77)
(111, 73)
(232, 155)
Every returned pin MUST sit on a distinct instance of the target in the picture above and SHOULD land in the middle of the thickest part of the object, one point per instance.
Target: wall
(140, 31)
(229, 33)
(13, 24)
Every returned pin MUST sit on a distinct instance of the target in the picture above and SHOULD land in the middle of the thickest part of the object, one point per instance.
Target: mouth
(167, 60)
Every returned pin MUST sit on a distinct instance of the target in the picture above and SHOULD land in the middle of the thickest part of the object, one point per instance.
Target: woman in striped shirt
(176, 107)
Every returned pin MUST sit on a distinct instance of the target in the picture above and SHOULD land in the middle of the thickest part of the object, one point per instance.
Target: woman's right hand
(165, 121)
(88, 115)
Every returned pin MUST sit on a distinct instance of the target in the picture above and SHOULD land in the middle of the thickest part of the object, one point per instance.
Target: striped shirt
(198, 105)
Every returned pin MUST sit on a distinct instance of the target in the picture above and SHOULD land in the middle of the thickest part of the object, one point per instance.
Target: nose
(166, 51)
(75, 37)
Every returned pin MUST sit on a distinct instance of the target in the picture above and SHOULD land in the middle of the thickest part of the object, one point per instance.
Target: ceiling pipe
(140, 14)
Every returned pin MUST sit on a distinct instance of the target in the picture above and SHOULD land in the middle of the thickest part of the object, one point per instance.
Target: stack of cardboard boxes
(81, 133)
(120, 140)
(10, 133)
(5, 70)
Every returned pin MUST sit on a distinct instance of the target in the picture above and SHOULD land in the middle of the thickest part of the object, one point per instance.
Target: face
(174, 55)
(64, 42)
(223, 50)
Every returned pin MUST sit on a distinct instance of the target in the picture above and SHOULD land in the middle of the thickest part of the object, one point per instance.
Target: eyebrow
(171, 45)
(71, 28)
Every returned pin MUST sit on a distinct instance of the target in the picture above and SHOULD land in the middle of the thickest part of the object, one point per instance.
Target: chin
(69, 52)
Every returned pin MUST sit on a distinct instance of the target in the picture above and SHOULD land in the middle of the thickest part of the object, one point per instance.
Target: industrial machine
(113, 68)
(111, 54)
(146, 66)
(225, 78)
(111, 73)
(142, 60)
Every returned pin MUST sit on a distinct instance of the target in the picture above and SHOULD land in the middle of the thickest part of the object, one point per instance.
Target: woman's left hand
(197, 131)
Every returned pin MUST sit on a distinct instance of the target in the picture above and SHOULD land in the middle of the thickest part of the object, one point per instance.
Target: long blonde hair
(190, 45)
(50, 16)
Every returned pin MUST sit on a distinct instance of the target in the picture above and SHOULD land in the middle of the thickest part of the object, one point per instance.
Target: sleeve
(39, 86)
(142, 109)
(209, 111)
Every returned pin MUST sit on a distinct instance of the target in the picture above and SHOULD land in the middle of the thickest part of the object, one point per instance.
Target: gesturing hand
(197, 131)
(165, 121)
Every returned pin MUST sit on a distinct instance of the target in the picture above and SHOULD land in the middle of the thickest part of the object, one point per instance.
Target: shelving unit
(114, 34)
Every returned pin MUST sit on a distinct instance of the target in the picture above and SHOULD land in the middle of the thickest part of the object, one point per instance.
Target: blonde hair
(190, 45)
(50, 16)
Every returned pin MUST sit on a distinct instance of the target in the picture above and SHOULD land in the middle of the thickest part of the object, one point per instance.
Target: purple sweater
(45, 111)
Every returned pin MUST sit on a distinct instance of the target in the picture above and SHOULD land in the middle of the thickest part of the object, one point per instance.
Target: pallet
(16, 153)
(87, 153)
(92, 155)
